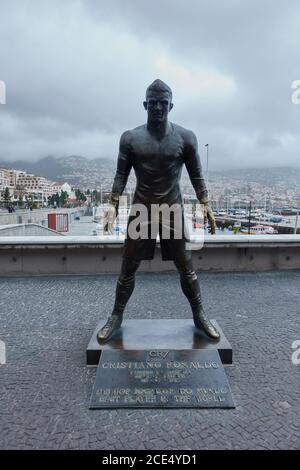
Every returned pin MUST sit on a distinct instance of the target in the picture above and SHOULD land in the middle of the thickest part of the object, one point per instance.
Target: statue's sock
(124, 289)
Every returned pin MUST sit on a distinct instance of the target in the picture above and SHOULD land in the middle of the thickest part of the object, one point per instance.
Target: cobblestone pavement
(45, 385)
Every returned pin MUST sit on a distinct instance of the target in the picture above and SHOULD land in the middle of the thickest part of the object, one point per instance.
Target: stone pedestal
(159, 334)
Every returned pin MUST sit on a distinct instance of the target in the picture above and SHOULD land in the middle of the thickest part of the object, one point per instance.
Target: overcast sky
(76, 73)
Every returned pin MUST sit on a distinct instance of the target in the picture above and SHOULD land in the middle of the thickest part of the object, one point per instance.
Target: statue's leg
(125, 285)
(124, 289)
(191, 289)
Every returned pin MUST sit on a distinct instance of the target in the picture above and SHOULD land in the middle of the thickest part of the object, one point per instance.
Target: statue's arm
(124, 166)
(193, 166)
(123, 169)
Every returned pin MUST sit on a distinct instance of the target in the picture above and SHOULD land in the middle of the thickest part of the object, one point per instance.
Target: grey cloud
(76, 72)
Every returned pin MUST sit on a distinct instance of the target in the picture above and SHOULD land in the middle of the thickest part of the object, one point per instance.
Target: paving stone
(45, 387)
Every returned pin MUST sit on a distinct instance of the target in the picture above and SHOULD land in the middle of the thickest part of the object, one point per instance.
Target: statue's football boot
(110, 328)
(202, 323)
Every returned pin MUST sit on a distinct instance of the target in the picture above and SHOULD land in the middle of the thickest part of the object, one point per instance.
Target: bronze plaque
(161, 379)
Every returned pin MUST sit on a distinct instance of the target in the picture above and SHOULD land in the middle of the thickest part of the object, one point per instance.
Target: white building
(58, 187)
(33, 183)
(7, 179)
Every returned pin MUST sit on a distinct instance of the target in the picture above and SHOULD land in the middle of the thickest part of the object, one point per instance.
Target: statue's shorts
(142, 234)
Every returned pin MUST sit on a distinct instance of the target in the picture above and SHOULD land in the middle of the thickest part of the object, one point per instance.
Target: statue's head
(158, 102)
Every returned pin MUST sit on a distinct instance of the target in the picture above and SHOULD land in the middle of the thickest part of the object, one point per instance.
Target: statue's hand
(209, 217)
(212, 221)
(109, 218)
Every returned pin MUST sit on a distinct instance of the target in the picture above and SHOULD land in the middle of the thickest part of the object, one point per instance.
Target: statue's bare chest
(151, 152)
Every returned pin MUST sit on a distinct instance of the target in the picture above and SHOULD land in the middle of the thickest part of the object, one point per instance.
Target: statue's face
(158, 105)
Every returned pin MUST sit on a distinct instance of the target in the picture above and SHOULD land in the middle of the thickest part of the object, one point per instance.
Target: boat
(260, 230)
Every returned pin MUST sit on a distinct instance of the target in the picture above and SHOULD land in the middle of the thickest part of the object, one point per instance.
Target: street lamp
(297, 215)
(249, 220)
(207, 149)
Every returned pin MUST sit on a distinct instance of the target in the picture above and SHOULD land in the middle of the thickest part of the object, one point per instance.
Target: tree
(20, 201)
(63, 198)
(54, 200)
(80, 197)
(78, 194)
(30, 200)
(6, 196)
(96, 196)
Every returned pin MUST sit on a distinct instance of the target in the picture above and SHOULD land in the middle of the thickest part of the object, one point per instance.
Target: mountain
(84, 173)
(76, 170)
(283, 180)
(268, 175)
